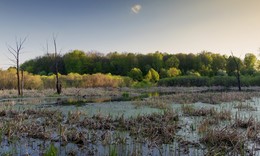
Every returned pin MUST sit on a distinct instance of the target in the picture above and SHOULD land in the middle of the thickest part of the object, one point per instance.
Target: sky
(138, 26)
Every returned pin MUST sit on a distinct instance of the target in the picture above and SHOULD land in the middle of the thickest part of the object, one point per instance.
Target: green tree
(250, 62)
(156, 60)
(74, 61)
(172, 72)
(172, 61)
(204, 62)
(119, 64)
(232, 66)
(187, 62)
(163, 73)
(136, 74)
(219, 63)
(152, 75)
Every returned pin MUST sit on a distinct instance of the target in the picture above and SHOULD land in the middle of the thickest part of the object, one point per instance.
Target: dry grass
(222, 115)
(209, 97)
(189, 110)
(205, 125)
(245, 106)
(225, 139)
(154, 102)
(78, 128)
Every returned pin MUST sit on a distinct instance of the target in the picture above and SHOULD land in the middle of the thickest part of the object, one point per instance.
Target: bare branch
(14, 61)
(15, 52)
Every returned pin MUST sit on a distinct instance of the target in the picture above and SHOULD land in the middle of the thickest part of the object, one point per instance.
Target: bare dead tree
(16, 51)
(22, 82)
(58, 83)
(237, 72)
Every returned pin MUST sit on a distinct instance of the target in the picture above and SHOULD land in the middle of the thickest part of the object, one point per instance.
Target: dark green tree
(74, 61)
(172, 61)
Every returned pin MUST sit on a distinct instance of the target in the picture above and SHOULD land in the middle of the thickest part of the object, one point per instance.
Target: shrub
(172, 72)
(185, 81)
(136, 74)
(152, 76)
(226, 81)
(192, 73)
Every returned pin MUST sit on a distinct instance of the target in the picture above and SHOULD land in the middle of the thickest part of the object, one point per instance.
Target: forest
(91, 69)
(126, 64)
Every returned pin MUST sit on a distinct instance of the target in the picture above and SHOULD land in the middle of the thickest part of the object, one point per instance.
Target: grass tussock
(154, 102)
(78, 128)
(225, 139)
(210, 97)
(245, 106)
(189, 110)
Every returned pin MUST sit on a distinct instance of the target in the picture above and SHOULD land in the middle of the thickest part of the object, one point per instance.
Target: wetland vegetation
(156, 121)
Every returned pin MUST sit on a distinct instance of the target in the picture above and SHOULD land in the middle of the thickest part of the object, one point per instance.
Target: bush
(136, 74)
(173, 72)
(185, 81)
(152, 76)
(226, 81)
(143, 84)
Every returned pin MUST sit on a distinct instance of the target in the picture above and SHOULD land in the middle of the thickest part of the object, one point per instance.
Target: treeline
(75, 80)
(29, 81)
(225, 81)
(139, 66)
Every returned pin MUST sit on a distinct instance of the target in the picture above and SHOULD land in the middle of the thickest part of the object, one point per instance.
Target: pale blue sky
(172, 26)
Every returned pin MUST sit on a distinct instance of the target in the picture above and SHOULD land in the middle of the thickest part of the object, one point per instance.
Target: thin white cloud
(136, 8)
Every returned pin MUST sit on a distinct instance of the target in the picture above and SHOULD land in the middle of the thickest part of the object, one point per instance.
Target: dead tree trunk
(16, 54)
(237, 73)
(58, 84)
(22, 82)
(18, 75)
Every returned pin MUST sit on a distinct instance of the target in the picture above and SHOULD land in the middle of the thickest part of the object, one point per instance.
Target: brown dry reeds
(210, 97)
(242, 106)
(226, 139)
(189, 110)
(154, 102)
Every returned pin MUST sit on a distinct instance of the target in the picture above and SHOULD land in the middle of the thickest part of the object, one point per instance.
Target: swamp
(127, 121)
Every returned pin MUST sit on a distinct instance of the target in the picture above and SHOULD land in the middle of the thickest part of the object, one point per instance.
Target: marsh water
(186, 142)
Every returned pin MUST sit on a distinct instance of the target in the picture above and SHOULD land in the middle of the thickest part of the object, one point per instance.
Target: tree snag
(16, 51)
(237, 72)
(58, 84)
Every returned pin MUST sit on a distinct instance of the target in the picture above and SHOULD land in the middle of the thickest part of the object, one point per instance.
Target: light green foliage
(250, 60)
(152, 75)
(172, 72)
(112, 151)
(52, 151)
(192, 73)
(136, 74)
